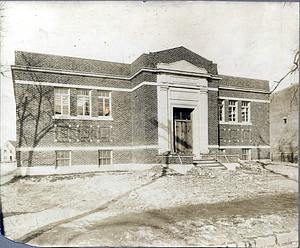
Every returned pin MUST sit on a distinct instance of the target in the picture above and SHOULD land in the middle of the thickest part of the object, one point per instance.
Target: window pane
(186, 115)
(64, 91)
(87, 106)
(79, 106)
(65, 100)
(65, 110)
(57, 105)
(221, 113)
(101, 107)
(57, 154)
(106, 107)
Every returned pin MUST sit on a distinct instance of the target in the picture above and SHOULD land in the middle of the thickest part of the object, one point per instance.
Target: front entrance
(183, 132)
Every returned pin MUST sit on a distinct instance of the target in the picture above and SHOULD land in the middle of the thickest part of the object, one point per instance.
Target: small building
(99, 114)
(8, 151)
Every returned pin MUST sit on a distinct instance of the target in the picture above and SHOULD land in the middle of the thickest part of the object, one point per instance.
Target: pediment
(181, 65)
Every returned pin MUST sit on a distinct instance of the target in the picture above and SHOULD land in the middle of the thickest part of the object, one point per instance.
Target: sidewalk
(289, 171)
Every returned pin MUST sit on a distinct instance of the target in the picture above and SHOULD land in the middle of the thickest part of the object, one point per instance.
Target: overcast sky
(255, 40)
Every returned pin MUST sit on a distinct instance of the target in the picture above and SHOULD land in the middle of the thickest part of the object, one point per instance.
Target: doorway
(183, 131)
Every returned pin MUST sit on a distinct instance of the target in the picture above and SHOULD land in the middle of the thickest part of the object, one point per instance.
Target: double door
(183, 132)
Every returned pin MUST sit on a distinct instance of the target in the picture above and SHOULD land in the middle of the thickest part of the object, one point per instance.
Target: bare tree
(34, 105)
(293, 70)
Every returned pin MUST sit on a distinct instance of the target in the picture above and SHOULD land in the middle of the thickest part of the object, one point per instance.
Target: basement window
(246, 154)
(63, 158)
(105, 157)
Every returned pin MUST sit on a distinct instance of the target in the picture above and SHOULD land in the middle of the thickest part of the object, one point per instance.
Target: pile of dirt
(255, 168)
(201, 172)
(171, 172)
(151, 174)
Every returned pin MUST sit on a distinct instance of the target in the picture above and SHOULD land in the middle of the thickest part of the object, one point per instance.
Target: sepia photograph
(149, 123)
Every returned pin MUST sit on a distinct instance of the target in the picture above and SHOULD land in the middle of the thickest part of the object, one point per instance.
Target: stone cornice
(111, 76)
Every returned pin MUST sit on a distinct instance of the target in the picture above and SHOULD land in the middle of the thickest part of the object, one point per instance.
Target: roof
(149, 60)
(173, 55)
(70, 63)
(13, 143)
(241, 82)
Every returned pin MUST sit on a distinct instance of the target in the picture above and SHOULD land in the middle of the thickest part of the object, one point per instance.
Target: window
(182, 114)
(10, 157)
(103, 103)
(62, 158)
(5, 157)
(245, 111)
(83, 102)
(245, 154)
(232, 110)
(5, 151)
(105, 157)
(62, 101)
(10, 151)
(221, 110)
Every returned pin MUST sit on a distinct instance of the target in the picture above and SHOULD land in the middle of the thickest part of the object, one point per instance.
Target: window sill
(104, 118)
(236, 123)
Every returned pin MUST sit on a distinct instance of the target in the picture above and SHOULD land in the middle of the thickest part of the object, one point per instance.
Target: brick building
(88, 114)
(284, 128)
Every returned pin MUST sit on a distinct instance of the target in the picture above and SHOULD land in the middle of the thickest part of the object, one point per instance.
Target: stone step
(209, 164)
(205, 161)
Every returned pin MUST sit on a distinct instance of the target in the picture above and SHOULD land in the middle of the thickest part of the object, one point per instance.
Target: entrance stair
(208, 163)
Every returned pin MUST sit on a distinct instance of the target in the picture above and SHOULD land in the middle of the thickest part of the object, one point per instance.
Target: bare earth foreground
(153, 207)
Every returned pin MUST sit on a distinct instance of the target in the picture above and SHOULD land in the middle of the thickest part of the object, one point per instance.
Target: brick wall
(144, 77)
(144, 116)
(247, 83)
(256, 154)
(85, 133)
(261, 123)
(213, 116)
(241, 94)
(70, 63)
(256, 134)
(145, 156)
(39, 158)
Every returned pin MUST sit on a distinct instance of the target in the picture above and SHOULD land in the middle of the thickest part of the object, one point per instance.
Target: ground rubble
(203, 207)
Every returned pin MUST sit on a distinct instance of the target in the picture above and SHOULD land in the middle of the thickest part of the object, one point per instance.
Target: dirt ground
(153, 207)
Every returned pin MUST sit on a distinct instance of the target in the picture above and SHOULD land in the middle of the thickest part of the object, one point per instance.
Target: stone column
(163, 118)
(203, 120)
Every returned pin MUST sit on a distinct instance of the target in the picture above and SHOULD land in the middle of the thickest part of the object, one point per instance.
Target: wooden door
(183, 137)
